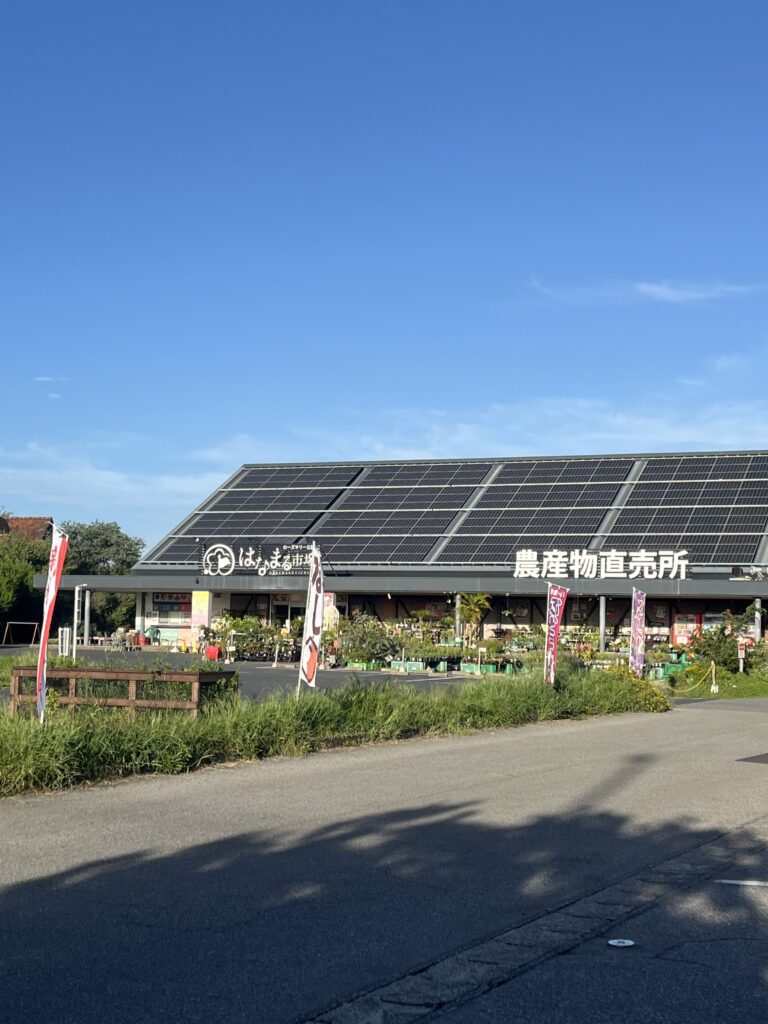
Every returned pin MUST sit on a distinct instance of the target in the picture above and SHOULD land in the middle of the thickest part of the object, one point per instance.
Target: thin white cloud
(48, 380)
(546, 426)
(728, 363)
(623, 292)
(54, 394)
(46, 480)
(663, 291)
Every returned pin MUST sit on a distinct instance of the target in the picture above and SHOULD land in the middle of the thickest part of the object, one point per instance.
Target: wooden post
(132, 697)
(72, 692)
(15, 690)
(195, 697)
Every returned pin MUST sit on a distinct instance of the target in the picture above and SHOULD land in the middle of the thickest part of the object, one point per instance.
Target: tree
(363, 638)
(721, 644)
(20, 559)
(100, 549)
(104, 549)
(473, 609)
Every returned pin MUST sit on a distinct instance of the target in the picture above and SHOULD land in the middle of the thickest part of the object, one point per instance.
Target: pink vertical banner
(55, 568)
(556, 598)
(637, 641)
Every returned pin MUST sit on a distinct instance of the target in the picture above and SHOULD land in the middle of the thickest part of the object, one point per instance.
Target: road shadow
(270, 927)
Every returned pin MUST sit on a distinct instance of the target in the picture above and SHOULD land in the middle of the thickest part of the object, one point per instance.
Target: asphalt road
(276, 891)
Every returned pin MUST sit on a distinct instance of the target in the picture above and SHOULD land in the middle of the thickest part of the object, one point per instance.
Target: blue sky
(314, 229)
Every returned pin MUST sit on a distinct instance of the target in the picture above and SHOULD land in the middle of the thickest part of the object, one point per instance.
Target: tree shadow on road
(264, 927)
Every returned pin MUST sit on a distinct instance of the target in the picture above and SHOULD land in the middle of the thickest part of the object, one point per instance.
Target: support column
(758, 620)
(87, 619)
(457, 615)
(602, 623)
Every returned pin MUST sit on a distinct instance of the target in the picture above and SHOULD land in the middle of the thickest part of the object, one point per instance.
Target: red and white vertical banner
(556, 597)
(55, 568)
(313, 621)
(637, 639)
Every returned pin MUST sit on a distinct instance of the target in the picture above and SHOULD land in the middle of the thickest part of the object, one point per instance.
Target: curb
(456, 979)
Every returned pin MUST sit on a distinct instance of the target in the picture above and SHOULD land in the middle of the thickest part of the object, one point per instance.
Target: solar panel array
(713, 506)
(482, 512)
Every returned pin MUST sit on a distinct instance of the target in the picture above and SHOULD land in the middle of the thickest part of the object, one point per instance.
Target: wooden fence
(196, 681)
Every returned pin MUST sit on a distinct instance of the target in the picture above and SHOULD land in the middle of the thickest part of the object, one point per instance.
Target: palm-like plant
(473, 609)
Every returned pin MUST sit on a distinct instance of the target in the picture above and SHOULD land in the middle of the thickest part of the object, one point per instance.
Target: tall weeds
(98, 743)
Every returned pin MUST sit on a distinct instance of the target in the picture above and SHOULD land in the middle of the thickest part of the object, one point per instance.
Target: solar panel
(660, 469)
(747, 520)
(647, 494)
(396, 512)
(737, 548)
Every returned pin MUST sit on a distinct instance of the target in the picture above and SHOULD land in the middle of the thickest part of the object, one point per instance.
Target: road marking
(733, 881)
(463, 976)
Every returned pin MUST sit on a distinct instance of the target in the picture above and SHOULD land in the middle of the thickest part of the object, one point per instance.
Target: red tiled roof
(28, 527)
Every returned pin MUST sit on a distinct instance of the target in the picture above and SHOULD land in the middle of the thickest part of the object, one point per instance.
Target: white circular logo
(219, 560)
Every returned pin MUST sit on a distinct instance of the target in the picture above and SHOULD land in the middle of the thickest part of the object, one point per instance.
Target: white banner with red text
(313, 621)
(59, 544)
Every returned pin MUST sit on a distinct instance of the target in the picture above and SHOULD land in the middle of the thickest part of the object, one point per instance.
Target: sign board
(683, 628)
(288, 560)
(600, 565)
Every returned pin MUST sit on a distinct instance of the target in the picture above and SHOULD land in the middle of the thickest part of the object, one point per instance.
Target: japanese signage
(556, 597)
(171, 601)
(683, 628)
(637, 641)
(223, 560)
(601, 565)
(313, 621)
(59, 544)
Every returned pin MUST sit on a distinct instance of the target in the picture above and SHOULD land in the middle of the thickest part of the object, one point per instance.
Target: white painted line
(732, 881)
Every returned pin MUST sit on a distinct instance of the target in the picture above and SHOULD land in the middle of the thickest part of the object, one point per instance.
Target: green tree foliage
(100, 549)
(364, 638)
(721, 644)
(473, 609)
(103, 549)
(20, 559)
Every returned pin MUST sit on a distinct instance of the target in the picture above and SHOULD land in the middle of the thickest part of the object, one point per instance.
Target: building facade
(401, 536)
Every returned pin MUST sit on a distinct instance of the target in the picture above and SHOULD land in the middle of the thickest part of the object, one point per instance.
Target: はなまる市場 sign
(223, 560)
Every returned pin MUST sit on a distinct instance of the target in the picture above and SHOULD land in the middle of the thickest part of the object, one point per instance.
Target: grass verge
(696, 682)
(98, 744)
